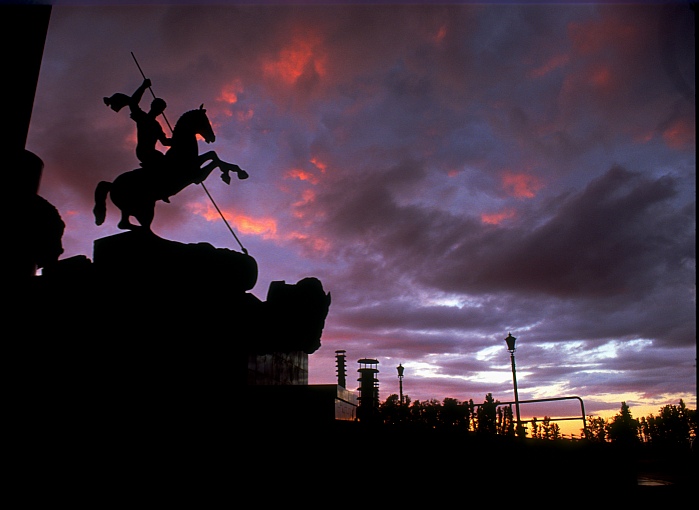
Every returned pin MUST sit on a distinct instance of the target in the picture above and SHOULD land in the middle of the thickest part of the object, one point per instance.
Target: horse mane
(187, 116)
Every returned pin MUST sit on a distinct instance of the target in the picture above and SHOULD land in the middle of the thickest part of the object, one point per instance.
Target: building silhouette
(368, 411)
(340, 361)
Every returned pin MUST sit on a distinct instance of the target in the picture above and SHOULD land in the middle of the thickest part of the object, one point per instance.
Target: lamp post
(400, 381)
(511, 347)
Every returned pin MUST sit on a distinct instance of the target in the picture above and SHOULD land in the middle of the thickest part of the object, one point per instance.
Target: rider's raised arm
(138, 94)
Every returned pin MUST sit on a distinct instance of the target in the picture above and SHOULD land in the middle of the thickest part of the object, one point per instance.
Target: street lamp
(511, 347)
(400, 381)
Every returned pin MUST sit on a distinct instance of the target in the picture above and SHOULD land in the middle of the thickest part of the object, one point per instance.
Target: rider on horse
(161, 175)
(148, 129)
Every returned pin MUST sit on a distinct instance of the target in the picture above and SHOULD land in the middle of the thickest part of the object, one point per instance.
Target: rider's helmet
(158, 106)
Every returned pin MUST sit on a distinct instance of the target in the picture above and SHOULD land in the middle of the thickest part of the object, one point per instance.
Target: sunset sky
(451, 173)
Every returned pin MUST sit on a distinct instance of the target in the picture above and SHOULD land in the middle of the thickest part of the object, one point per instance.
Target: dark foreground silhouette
(34, 237)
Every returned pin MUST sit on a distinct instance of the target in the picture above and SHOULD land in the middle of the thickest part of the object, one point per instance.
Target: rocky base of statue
(149, 342)
(150, 315)
(147, 290)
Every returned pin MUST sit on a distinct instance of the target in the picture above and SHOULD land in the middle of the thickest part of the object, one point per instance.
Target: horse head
(197, 122)
(205, 129)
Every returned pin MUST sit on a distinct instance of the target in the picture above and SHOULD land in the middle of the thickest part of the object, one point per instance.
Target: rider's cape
(117, 101)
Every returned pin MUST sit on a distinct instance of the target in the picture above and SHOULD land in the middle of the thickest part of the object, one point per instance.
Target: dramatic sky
(451, 173)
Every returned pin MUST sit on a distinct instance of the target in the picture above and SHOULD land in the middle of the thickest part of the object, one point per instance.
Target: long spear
(202, 182)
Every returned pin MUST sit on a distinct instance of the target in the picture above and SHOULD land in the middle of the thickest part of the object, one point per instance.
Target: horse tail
(100, 209)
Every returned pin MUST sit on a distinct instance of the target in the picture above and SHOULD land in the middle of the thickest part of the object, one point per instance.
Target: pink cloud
(679, 135)
(319, 164)
(294, 59)
(497, 218)
(303, 175)
(596, 36)
(314, 243)
(643, 137)
(601, 76)
(230, 91)
(521, 185)
(440, 35)
(307, 197)
(550, 65)
(264, 227)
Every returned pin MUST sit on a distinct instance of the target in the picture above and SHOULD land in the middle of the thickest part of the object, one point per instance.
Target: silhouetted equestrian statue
(161, 175)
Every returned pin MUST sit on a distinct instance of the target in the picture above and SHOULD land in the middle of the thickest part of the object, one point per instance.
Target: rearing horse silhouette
(135, 192)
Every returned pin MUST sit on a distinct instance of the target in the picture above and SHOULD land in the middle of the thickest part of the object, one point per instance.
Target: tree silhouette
(672, 428)
(429, 411)
(390, 410)
(623, 428)
(546, 430)
(506, 423)
(486, 416)
(454, 414)
(471, 414)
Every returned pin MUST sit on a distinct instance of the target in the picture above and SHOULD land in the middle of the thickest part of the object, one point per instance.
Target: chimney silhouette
(368, 410)
(341, 368)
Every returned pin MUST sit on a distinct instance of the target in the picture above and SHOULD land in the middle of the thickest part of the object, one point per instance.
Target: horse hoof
(242, 174)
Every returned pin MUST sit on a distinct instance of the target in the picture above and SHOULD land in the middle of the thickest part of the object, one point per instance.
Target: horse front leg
(145, 216)
(216, 162)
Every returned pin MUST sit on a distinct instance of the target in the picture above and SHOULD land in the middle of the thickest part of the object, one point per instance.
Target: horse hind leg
(143, 214)
(145, 217)
(100, 209)
(124, 223)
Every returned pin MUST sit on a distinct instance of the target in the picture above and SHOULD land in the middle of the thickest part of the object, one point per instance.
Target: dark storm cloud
(621, 234)
(597, 242)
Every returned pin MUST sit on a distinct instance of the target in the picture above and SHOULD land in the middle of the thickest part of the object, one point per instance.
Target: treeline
(674, 426)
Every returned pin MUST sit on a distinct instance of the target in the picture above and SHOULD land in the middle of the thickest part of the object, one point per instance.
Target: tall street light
(511, 347)
(400, 369)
